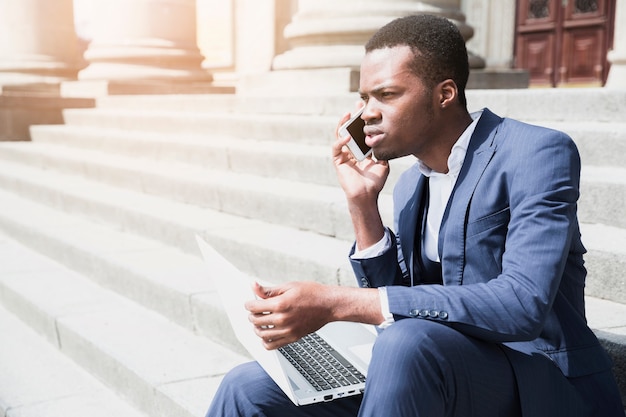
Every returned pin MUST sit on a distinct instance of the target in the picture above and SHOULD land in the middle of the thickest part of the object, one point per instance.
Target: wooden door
(564, 42)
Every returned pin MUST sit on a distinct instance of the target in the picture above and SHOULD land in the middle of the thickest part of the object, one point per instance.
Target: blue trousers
(419, 369)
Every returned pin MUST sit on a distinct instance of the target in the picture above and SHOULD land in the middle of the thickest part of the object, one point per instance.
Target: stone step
(600, 144)
(554, 104)
(155, 275)
(273, 251)
(319, 105)
(608, 320)
(38, 380)
(306, 206)
(603, 195)
(595, 138)
(275, 127)
(575, 104)
(156, 366)
(166, 280)
(294, 161)
(605, 261)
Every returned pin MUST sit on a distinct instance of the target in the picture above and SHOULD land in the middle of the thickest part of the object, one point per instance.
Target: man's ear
(447, 93)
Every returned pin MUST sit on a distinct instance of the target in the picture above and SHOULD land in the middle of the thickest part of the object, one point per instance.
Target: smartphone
(354, 129)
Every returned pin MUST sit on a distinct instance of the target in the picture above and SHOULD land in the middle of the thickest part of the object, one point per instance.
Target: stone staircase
(105, 303)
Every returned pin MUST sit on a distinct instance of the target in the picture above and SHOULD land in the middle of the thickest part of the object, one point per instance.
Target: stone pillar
(617, 57)
(494, 35)
(216, 30)
(37, 42)
(331, 33)
(144, 40)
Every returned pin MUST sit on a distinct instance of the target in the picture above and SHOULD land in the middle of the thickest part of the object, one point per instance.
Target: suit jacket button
(433, 314)
(414, 313)
(443, 315)
(424, 313)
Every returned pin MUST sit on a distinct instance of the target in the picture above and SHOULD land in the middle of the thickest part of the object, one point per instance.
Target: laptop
(296, 367)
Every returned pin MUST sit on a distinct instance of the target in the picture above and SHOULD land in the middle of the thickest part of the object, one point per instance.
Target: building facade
(234, 42)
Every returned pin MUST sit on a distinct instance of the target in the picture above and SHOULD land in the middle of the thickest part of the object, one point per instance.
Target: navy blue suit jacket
(511, 255)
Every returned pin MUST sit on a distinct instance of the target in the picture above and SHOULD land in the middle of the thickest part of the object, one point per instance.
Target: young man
(480, 288)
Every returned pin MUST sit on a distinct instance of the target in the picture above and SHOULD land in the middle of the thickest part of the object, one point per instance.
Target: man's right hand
(362, 180)
(362, 183)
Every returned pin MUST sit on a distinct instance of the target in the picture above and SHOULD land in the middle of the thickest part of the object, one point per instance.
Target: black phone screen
(356, 131)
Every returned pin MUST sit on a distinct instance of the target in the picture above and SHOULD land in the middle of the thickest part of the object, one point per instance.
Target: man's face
(399, 107)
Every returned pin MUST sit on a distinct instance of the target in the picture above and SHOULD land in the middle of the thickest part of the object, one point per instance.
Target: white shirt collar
(457, 155)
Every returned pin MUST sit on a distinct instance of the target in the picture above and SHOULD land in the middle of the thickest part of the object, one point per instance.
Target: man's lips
(372, 136)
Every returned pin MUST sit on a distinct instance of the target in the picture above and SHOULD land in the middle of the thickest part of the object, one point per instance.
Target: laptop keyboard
(320, 364)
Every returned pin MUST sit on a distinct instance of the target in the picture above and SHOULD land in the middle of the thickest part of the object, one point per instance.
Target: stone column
(494, 35)
(331, 33)
(144, 41)
(37, 42)
(617, 57)
(493, 40)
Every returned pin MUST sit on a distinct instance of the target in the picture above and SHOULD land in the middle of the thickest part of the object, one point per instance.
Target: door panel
(564, 42)
(536, 51)
(582, 60)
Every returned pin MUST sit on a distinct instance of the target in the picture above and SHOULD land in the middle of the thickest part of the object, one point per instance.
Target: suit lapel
(414, 190)
(453, 226)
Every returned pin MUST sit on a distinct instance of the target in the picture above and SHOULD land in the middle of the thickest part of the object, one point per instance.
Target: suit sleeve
(381, 271)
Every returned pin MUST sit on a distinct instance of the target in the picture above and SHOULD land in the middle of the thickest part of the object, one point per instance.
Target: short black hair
(438, 45)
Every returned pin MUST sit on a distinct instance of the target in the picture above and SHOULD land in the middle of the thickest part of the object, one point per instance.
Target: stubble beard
(390, 154)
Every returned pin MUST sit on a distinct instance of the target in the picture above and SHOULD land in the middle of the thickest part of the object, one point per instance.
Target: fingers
(272, 335)
(262, 318)
(271, 344)
(343, 119)
(263, 321)
(265, 292)
(282, 314)
(271, 339)
(261, 291)
(338, 146)
(265, 302)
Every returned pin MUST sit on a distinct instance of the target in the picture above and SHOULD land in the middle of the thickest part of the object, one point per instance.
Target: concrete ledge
(615, 345)
(498, 79)
(570, 105)
(603, 195)
(608, 320)
(605, 261)
(21, 108)
(99, 88)
(37, 380)
(299, 83)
